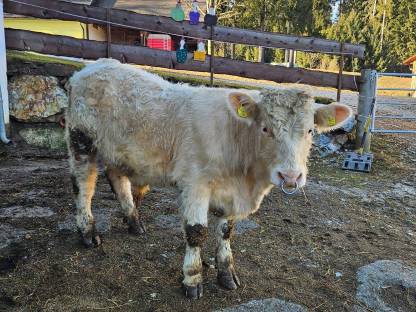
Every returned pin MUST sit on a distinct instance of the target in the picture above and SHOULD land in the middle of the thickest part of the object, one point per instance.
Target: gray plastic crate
(356, 162)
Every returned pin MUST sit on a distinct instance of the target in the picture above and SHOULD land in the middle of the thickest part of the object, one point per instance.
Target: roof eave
(410, 60)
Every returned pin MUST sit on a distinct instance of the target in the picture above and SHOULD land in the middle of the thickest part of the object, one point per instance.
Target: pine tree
(361, 21)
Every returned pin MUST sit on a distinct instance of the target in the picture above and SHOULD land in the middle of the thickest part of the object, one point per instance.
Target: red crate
(159, 41)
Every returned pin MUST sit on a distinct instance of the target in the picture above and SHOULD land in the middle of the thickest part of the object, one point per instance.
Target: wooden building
(98, 32)
(411, 62)
(130, 36)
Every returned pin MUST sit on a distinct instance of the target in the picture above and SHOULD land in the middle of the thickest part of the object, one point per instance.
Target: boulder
(387, 286)
(48, 137)
(36, 98)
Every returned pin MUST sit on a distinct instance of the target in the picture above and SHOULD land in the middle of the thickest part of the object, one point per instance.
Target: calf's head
(282, 123)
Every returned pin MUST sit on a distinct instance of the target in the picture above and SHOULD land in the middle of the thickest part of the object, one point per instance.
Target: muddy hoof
(193, 292)
(89, 240)
(228, 279)
(136, 226)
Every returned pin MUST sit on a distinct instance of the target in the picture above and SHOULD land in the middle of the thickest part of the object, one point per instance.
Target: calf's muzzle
(290, 181)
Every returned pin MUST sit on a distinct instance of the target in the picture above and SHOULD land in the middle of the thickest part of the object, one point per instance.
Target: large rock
(36, 98)
(387, 286)
(48, 137)
(267, 305)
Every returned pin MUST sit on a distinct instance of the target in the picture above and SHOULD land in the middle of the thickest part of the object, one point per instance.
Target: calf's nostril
(291, 178)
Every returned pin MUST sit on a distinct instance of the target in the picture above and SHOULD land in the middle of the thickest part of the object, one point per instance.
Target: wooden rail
(95, 15)
(88, 49)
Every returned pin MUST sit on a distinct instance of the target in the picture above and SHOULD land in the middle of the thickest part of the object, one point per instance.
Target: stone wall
(34, 98)
(37, 106)
(37, 99)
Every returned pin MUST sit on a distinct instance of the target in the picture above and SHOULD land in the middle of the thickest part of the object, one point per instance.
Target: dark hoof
(136, 226)
(228, 279)
(90, 240)
(193, 292)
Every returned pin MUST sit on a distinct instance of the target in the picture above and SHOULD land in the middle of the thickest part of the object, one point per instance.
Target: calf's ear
(242, 106)
(331, 117)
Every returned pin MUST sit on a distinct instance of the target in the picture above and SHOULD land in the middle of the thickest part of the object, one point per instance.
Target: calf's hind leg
(121, 186)
(226, 276)
(82, 160)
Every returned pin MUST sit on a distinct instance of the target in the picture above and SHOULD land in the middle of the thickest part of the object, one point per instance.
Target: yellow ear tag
(242, 112)
(331, 121)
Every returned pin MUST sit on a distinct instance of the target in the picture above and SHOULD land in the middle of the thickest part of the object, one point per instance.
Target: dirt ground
(344, 220)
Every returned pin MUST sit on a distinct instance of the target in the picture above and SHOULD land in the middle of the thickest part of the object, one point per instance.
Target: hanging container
(160, 42)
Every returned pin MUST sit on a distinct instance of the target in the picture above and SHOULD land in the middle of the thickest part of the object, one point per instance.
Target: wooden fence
(60, 45)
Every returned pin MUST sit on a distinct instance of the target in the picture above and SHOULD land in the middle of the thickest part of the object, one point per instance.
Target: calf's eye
(310, 131)
(265, 130)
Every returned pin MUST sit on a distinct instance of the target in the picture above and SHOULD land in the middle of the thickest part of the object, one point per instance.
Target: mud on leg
(195, 215)
(226, 276)
(82, 160)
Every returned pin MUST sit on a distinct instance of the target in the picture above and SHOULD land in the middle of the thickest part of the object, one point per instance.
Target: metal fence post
(4, 99)
(367, 95)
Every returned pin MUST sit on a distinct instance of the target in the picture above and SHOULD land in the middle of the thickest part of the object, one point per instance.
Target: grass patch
(323, 100)
(389, 163)
(388, 156)
(394, 82)
(198, 80)
(13, 55)
(333, 173)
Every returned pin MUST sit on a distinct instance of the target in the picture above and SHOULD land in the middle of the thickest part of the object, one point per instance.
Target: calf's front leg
(226, 275)
(195, 203)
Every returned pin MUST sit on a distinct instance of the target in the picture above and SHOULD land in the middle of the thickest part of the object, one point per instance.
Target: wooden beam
(87, 14)
(87, 49)
(103, 3)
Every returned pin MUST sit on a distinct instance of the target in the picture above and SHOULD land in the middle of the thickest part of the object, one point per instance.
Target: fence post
(108, 33)
(4, 99)
(341, 68)
(367, 95)
(212, 49)
(211, 59)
